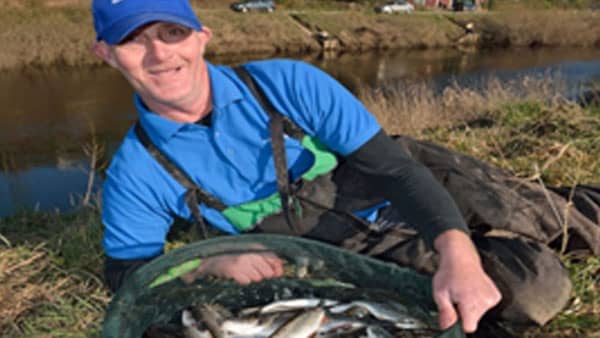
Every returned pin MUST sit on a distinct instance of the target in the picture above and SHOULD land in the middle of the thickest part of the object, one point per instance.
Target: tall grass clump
(525, 126)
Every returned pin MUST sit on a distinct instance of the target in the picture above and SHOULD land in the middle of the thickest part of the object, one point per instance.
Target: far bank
(61, 36)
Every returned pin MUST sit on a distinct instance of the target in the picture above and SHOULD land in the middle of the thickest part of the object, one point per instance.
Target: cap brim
(120, 29)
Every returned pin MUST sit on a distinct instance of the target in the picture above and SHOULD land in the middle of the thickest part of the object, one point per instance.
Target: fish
(336, 326)
(381, 311)
(303, 325)
(254, 326)
(296, 304)
(190, 326)
(211, 318)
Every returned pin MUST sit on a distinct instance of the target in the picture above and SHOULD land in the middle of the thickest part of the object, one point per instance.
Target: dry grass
(539, 28)
(413, 108)
(38, 294)
(236, 33)
(506, 124)
(46, 36)
(59, 32)
(50, 268)
(358, 30)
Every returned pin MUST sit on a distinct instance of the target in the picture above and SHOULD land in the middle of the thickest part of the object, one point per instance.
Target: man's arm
(460, 279)
(409, 185)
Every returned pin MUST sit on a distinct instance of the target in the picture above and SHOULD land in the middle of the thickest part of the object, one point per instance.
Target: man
(206, 121)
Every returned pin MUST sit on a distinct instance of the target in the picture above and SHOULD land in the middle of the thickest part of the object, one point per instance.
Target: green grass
(558, 141)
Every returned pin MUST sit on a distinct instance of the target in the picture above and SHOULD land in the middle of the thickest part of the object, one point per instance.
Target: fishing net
(155, 293)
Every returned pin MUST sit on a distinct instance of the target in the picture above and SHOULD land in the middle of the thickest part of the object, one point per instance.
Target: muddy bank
(62, 35)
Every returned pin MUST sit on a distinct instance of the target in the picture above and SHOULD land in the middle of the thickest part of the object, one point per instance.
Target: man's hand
(460, 280)
(243, 268)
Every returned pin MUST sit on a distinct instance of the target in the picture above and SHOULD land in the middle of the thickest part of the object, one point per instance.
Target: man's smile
(165, 71)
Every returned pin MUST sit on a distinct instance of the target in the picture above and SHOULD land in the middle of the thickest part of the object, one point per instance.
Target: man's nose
(158, 49)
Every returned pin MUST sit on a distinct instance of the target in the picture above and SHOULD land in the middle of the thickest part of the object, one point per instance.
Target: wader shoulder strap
(289, 127)
(194, 194)
(276, 131)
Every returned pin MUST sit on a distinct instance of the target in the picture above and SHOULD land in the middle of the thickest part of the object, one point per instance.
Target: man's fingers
(253, 271)
(470, 313)
(242, 279)
(447, 312)
(473, 308)
(276, 265)
(244, 268)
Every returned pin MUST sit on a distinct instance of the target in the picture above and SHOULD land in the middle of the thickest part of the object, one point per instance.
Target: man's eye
(176, 31)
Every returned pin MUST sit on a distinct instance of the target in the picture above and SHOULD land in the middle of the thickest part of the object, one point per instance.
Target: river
(50, 115)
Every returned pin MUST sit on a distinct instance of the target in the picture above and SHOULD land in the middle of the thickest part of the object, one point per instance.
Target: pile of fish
(303, 318)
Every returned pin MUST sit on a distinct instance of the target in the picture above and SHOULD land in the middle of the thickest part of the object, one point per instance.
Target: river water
(50, 115)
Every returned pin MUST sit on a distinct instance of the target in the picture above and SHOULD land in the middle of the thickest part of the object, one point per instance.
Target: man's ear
(207, 32)
(102, 50)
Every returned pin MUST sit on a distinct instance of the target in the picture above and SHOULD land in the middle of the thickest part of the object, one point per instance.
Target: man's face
(162, 61)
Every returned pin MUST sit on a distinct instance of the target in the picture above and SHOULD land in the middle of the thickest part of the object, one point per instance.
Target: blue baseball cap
(115, 19)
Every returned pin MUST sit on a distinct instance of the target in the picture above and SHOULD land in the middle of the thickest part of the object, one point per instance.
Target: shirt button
(217, 134)
(230, 151)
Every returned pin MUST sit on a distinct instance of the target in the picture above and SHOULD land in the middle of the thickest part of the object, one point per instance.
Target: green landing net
(154, 294)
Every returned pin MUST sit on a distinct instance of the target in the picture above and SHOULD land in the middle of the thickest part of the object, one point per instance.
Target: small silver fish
(382, 311)
(296, 304)
(211, 318)
(190, 326)
(249, 311)
(410, 324)
(303, 325)
(255, 326)
(337, 324)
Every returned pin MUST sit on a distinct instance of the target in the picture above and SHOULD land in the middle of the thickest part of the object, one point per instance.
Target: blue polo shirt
(232, 159)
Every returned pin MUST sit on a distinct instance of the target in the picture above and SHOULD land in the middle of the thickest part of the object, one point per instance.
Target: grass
(50, 268)
(508, 125)
(51, 265)
(39, 33)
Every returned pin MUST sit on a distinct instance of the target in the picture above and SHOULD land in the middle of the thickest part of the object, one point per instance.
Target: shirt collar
(224, 92)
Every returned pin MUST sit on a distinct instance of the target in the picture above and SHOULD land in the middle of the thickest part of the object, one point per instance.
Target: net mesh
(313, 269)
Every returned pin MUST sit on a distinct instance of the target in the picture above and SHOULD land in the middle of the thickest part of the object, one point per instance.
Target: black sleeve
(409, 186)
(117, 270)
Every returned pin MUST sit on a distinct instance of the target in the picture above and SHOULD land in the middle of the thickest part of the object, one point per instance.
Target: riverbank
(43, 36)
(51, 265)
